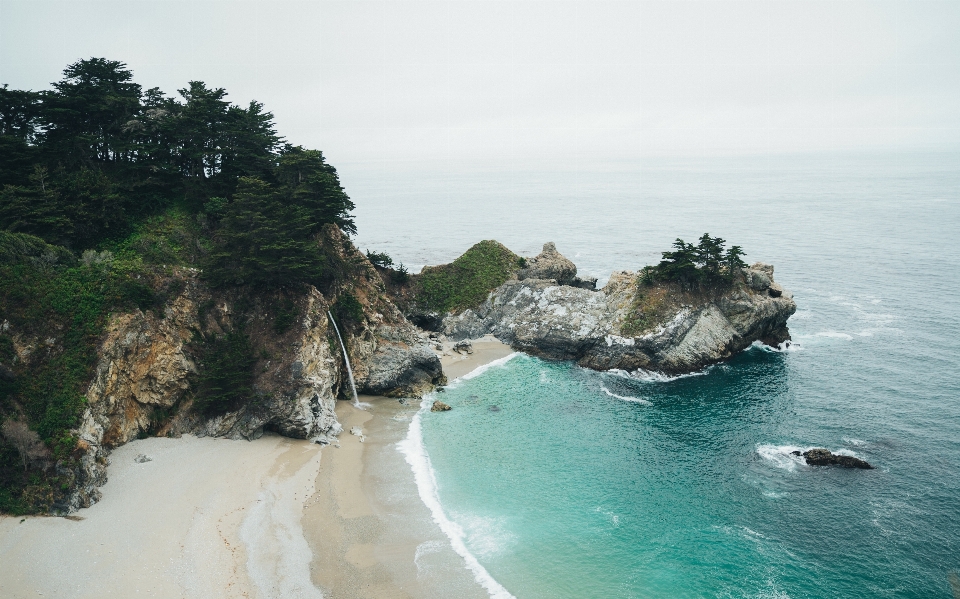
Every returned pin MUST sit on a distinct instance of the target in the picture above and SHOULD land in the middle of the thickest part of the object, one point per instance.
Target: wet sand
(371, 535)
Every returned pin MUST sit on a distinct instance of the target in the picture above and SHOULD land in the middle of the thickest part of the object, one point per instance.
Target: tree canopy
(694, 266)
(81, 164)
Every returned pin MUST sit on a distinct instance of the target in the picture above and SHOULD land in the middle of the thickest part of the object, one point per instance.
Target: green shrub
(401, 276)
(467, 281)
(696, 266)
(226, 374)
(379, 259)
(285, 316)
(348, 309)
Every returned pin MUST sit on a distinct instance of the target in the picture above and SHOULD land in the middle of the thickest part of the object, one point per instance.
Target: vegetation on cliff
(688, 275)
(105, 186)
(466, 281)
(706, 264)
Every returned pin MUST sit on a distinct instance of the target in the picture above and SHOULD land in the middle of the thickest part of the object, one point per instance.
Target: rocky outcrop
(439, 406)
(824, 457)
(550, 264)
(390, 355)
(148, 362)
(629, 326)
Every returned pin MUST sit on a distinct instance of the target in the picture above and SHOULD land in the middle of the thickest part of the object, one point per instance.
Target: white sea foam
(424, 549)
(652, 376)
(611, 516)
(782, 456)
(854, 442)
(416, 455)
(481, 369)
(488, 536)
(625, 397)
(786, 346)
(827, 335)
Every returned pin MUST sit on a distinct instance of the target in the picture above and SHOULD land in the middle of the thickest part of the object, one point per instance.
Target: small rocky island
(824, 457)
(547, 311)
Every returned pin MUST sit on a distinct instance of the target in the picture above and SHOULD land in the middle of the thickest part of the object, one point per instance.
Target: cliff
(149, 364)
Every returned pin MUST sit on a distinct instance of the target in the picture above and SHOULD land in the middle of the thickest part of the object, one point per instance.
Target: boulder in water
(824, 457)
(439, 406)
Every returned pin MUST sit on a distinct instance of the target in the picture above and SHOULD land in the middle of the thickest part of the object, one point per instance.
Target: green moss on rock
(466, 282)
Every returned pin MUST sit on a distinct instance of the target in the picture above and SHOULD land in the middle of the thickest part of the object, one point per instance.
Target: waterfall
(346, 359)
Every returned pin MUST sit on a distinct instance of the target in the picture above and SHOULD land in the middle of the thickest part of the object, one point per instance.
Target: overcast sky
(484, 81)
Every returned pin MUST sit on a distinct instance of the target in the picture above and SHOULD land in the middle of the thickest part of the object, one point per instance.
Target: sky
(493, 82)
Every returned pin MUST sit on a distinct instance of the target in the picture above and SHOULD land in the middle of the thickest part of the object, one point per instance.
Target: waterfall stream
(346, 359)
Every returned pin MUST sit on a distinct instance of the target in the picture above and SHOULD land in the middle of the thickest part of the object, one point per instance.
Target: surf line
(415, 453)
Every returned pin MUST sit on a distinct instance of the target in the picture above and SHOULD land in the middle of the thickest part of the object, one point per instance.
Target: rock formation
(549, 264)
(824, 457)
(143, 383)
(628, 325)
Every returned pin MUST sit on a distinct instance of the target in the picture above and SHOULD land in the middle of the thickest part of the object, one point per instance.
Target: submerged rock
(439, 406)
(824, 457)
(142, 458)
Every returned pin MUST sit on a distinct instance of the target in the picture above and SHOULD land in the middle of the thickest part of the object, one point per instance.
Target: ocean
(551, 480)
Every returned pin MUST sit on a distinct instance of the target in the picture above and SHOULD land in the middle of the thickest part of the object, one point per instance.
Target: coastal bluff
(156, 368)
(627, 325)
(148, 379)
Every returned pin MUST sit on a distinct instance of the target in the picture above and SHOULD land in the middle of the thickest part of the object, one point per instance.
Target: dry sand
(204, 518)
(211, 518)
(485, 350)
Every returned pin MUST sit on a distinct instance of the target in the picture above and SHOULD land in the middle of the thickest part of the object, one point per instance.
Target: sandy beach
(274, 517)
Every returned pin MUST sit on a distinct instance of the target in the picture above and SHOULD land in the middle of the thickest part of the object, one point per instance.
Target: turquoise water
(586, 484)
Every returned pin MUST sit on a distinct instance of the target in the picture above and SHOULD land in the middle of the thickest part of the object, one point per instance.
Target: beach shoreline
(274, 517)
(370, 533)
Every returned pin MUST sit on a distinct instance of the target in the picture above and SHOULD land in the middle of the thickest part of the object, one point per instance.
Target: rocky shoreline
(145, 378)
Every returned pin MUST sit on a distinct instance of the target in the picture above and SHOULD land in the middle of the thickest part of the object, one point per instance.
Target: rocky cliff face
(148, 362)
(629, 326)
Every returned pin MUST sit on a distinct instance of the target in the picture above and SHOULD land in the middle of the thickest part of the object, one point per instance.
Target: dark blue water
(586, 484)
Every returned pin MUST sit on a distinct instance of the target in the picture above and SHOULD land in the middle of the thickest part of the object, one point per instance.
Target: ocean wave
(781, 456)
(415, 453)
(785, 346)
(652, 376)
(481, 369)
(854, 442)
(828, 335)
(625, 397)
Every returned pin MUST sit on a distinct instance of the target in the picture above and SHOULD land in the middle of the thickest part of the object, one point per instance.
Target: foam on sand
(416, 455)
(495, 363)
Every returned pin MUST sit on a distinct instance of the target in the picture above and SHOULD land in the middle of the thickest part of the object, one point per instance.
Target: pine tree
(265, 240)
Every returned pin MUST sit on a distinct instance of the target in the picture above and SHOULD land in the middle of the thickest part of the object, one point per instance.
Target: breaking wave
(625, 397)
(415, 453)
